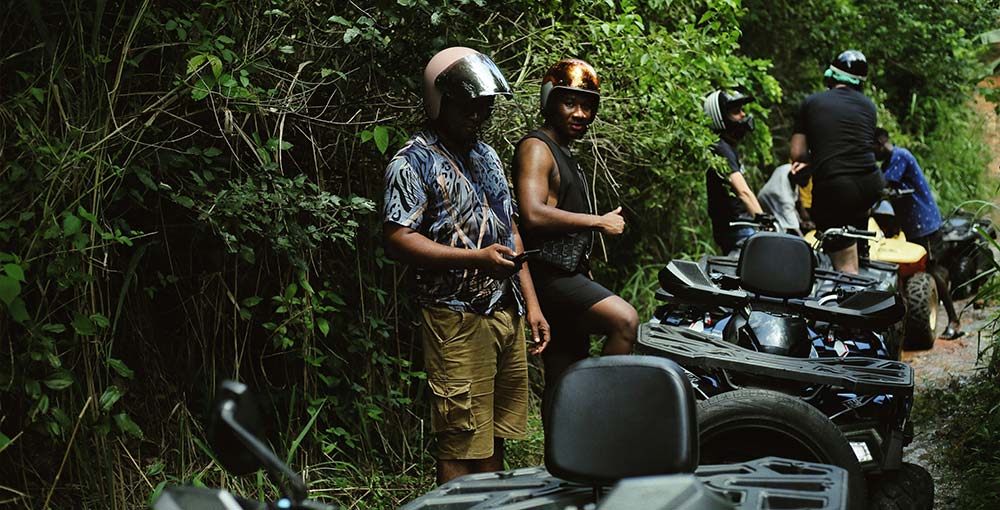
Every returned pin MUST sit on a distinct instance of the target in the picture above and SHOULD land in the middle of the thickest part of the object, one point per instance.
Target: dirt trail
(959, 359)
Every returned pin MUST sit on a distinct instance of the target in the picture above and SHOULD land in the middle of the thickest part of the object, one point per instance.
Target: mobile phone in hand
(523, 256)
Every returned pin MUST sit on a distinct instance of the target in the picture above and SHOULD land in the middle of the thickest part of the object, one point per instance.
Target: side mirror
(234, 433)
(234, 399)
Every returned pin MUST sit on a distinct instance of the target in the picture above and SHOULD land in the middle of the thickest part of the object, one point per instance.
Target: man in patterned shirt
(918, 217)
(449, 213)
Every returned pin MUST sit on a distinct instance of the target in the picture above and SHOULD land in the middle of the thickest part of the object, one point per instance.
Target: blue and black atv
(779, 371)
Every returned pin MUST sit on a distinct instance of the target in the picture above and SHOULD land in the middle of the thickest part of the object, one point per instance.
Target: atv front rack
(755, 485)
(690, 348)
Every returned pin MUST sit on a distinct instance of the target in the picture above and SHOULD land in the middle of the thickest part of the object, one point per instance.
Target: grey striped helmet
(719, 103)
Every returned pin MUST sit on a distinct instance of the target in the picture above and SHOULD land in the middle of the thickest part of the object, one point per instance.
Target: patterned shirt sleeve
(898, 165)
(405, 194)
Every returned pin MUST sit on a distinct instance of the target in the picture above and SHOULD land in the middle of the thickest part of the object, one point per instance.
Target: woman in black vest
(558, 218)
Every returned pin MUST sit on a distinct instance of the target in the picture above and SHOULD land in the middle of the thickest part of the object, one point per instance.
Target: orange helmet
(570, 74)
(462, 73)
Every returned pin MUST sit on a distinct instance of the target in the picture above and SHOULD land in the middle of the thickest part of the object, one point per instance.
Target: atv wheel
(909, 488)
(921, 312)
(748, 424)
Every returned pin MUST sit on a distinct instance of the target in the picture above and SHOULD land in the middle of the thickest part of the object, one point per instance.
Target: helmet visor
(472, 76)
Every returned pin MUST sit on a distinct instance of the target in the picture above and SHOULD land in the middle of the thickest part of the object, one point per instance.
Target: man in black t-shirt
(729, 196)
(832, 141)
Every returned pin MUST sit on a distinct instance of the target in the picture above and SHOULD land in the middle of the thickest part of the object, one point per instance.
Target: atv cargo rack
(690, 349)
(755, 485)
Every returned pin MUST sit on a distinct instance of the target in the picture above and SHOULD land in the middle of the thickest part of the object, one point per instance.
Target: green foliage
(190, 194)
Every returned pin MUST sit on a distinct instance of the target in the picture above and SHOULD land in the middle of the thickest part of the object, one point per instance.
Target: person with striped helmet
(729, 196)
(449, 214)
(558, 217)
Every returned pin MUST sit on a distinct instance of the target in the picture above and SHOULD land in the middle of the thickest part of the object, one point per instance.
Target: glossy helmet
(719, 104)
(461, 73)
(850, 67)
(570, 74)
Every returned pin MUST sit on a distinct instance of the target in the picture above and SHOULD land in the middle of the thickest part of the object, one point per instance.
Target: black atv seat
(775, 264)
(617, 417)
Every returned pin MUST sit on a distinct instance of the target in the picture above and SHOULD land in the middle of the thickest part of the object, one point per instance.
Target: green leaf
(9, 289)
(251, 301)
(338, 19)
(200, 90)
(156, 493)
(276, 12)
(109, 397)
(121, 368)
(38, 94)
(350, 34)
(59, 380)
(86, 214)
(17, 310)
(14, 271)
(183, 200)
(195, 62)
(53, 328)
(211, 152)
(100, 320)
(83, 325)
(170, 25)
(381, 136)
(71, 224)
(216, 65)
(323, 325)
(4, 441)
(125, 424)
(225, 39)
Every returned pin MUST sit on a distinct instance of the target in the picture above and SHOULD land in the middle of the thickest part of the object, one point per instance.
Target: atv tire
(751, 423)
(909, 488)
(921, 312)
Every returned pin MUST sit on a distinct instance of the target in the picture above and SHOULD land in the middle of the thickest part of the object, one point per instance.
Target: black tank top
(568, 251)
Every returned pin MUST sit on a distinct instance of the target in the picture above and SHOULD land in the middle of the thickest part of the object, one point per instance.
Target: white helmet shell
(460, 72)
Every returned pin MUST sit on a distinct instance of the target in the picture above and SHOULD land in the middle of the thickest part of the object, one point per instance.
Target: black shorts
(845, 201)
(565, 294)
(933, 243)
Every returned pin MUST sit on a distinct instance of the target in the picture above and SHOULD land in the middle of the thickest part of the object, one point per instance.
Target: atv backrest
(617, 417)
(778, 265)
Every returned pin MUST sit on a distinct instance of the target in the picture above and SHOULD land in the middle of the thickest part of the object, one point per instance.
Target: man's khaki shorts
(478, 373)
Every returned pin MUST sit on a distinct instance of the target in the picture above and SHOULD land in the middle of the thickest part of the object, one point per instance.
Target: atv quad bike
(622, 435)
(763, 393)
(890, 257)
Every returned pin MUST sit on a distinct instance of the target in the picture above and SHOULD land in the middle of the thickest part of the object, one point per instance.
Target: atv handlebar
(892, 193)
(763, 221)
(847, 231)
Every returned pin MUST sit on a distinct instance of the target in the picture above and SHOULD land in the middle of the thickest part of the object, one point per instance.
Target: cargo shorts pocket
(452, 406)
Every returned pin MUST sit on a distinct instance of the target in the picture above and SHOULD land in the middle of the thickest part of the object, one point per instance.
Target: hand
(540, 333)
(495, 261)
(798, 166)
(612, 223)
(807, 226)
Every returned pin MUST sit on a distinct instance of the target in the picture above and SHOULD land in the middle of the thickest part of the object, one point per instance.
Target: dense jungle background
(191, 192)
